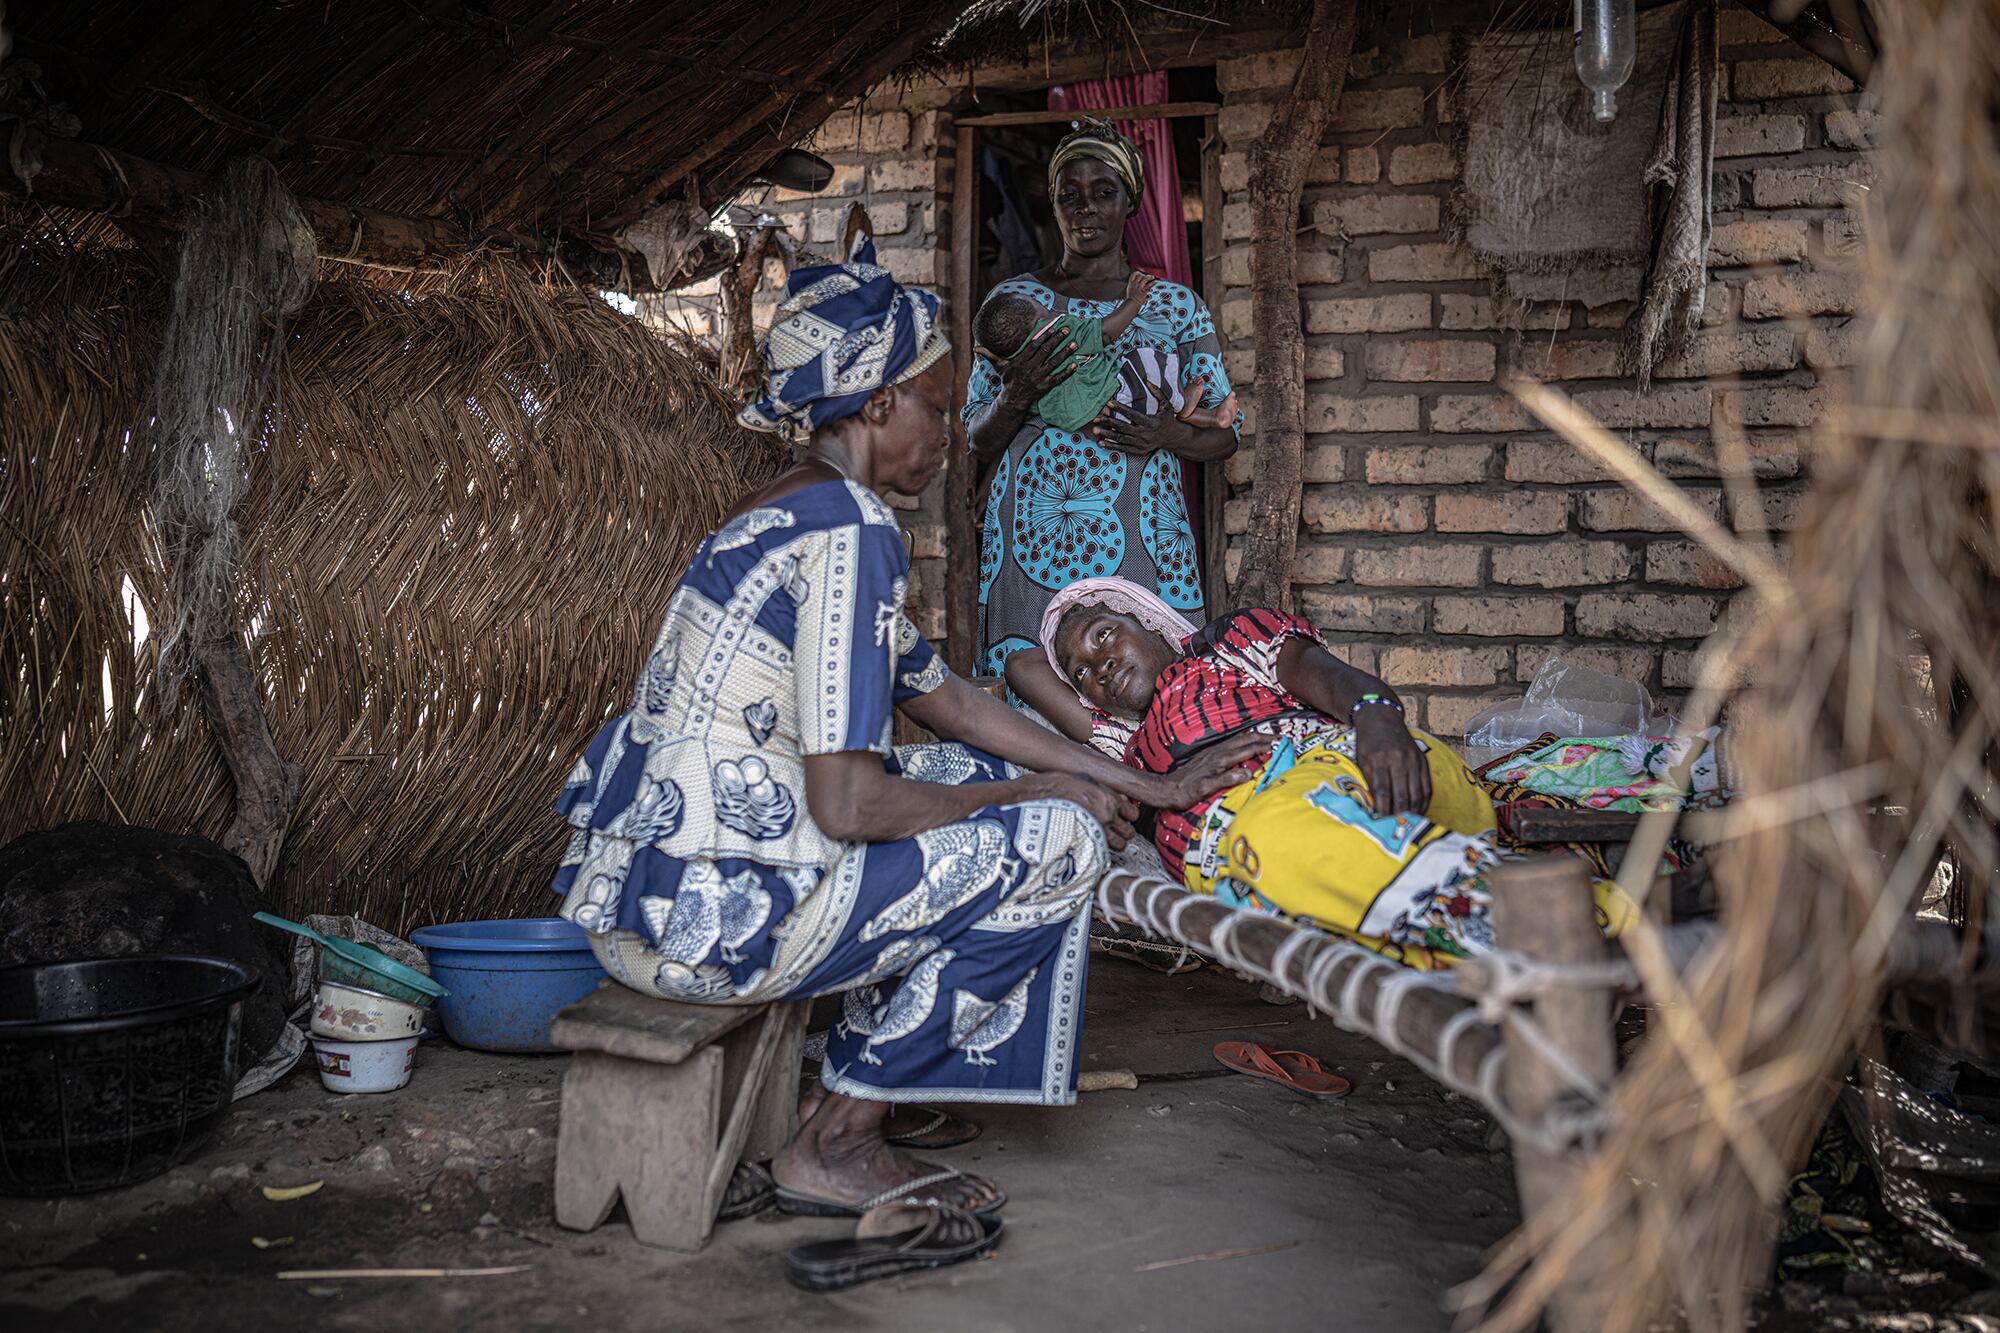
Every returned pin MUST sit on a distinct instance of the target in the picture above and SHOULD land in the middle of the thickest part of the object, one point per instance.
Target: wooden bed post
(1542, 909)
(1278, 163)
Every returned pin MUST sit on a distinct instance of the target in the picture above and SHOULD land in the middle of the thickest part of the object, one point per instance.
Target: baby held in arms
(1349, 818)
(1146, 379)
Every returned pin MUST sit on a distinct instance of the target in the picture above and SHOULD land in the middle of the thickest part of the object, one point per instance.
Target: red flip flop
(1294, 1069)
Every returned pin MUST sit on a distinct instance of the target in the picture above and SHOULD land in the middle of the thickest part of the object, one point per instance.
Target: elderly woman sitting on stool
(746, 833)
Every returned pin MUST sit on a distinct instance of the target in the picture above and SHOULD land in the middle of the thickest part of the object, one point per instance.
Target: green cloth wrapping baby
(1010, 321)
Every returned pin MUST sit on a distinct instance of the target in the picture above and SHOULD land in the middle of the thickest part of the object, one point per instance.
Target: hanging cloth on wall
(1552, 198)
(1156, 235)
(1680, 177)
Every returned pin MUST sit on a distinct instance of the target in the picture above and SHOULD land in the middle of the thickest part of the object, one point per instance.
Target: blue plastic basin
(507, 978)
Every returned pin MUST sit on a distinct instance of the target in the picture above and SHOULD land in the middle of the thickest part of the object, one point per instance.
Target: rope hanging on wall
(247, 264)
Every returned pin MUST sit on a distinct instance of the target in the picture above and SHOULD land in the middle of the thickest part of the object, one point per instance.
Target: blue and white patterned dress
(1062, 507)
(700, 875)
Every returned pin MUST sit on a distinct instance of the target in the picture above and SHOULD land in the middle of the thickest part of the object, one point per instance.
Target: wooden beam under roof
(148, 194)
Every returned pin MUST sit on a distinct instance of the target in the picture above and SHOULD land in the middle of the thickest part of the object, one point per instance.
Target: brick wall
(1450, 543)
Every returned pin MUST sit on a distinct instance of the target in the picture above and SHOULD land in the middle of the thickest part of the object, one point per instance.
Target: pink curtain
(1155, 236)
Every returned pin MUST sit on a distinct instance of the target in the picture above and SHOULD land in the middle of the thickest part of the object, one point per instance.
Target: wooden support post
(1278, 163)
(1542, 908)
(1214, 481)
(961, 553)
(267, 784)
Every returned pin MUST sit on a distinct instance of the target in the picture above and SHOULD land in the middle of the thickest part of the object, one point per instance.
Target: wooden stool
(642, 1107)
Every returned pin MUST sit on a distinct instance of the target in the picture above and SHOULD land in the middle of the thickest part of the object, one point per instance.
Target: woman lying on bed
(1353, 821)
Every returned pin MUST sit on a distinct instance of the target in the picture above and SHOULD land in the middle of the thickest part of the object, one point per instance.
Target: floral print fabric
(1062, 507)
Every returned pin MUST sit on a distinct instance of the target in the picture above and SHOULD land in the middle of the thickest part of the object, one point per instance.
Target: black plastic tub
(112, 1069)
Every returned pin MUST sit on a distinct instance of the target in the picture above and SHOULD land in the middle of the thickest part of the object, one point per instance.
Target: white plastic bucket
(365, 1066)
(349, 1013)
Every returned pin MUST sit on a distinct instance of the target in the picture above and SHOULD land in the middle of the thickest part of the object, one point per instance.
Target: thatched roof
(537, 116)
(1144, 33)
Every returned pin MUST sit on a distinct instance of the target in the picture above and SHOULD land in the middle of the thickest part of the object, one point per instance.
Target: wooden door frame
(962, 522)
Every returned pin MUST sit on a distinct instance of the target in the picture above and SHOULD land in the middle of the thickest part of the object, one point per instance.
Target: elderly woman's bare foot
(840, 1155)
(908, 1125)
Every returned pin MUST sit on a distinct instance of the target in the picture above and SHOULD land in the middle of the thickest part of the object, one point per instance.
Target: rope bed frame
(1466, 1026)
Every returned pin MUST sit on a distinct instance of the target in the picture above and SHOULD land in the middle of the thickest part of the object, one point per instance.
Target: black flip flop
(795, 1204)
(756, 1201)
(896, 1238)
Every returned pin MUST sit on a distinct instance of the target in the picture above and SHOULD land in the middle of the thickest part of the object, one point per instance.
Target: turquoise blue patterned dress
(698, 872)
(1062, 507)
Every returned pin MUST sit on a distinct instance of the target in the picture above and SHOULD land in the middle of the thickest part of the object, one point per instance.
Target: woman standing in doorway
(1108, 500)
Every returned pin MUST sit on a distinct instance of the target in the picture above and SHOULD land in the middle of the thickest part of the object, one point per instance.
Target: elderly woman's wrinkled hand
(1107, 807)
(1129, 431)
(1044, 363)
(1216, 768)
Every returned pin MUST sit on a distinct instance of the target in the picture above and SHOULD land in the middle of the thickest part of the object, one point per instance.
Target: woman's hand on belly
(1215, 768)
(1399, 781)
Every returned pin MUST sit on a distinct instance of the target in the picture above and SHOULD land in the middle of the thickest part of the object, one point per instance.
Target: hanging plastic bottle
(1606, 40)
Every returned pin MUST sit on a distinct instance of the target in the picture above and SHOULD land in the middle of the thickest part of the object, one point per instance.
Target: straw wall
(464, 514)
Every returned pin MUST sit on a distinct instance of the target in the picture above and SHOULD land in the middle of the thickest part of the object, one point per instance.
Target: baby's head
(1005, 323)
(1111, 659)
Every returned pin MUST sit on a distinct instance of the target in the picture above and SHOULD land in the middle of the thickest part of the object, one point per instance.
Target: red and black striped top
(1226, 682)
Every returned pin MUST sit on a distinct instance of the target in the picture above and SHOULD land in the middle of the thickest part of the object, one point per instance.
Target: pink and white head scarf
(1114, 594)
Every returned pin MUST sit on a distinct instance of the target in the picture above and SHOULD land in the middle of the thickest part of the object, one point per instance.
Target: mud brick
(1499, 617)
(1644, 615)
(1428, 464)
(1369, 314)
(1563, 564)
(1338, 512)
(1402, 566)
(1446, 666)
(1455, 360)
(1517, 512)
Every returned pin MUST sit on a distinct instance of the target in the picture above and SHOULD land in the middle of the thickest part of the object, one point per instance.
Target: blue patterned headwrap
(842, 332)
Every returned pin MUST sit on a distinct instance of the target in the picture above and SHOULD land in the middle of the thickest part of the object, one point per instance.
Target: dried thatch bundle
(1896, 556)
(460, 520)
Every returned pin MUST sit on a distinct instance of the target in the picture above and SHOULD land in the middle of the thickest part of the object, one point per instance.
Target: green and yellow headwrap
(1099, 139)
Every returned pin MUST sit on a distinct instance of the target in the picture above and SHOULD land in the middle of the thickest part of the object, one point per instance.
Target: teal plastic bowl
(354, 964)
(507, 979)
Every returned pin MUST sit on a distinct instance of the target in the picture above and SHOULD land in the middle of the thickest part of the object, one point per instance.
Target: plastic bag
(1569, 699)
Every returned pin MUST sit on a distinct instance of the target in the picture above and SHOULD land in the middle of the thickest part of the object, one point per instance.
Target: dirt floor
(1381, 1201)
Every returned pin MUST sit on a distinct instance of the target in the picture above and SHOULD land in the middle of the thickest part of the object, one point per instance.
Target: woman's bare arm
(1137, 288)
(854, 799)
(1323, 681)
(958, 711)
(1030, 676)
